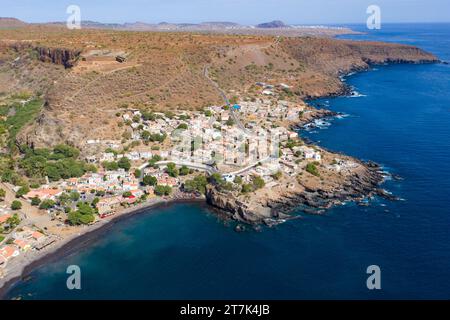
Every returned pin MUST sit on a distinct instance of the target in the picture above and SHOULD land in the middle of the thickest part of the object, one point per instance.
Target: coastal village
(244, 149)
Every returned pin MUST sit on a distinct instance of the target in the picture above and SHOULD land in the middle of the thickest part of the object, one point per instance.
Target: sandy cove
(20, 267)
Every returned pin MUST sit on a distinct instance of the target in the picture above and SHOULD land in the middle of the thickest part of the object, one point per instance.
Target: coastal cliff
(309, 194)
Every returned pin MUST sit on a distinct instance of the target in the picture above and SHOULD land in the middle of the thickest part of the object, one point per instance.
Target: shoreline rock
(310, 201)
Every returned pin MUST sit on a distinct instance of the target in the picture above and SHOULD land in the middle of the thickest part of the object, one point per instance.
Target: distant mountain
(272, 24)
(162, 26)
(221, 24)
(9, 23)
(274, 28)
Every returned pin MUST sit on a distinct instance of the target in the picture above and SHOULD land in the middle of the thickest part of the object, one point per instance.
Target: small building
(5, 217)
(106, 206)
(229, 177)
(44, 194)
(8, 252)
(292, 135)
(37, 236)
(166, 180)
(22, 244)
(120, 59)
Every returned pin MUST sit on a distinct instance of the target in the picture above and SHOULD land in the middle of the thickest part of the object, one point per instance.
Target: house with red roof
(44, 194)
(8, 252)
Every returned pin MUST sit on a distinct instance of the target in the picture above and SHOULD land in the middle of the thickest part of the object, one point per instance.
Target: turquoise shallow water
(184, 252)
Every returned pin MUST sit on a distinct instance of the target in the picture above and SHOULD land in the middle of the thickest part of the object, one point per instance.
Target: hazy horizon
(251, 12)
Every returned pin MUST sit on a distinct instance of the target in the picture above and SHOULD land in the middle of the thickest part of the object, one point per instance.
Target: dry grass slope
(164, 71)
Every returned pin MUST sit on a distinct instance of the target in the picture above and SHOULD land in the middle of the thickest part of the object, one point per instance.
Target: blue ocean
(400, 118)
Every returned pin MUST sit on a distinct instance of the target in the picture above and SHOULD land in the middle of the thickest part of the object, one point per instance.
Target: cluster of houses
(160, 125)
(112, 184)
(268, 89)
(264, 110)
(212, 137)
(341, 165)
(207, 138)
(23, 240)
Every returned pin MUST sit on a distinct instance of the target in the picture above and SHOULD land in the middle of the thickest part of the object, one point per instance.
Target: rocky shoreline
(311, 201)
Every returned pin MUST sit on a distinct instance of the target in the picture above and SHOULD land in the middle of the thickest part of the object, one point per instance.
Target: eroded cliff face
(60, 56)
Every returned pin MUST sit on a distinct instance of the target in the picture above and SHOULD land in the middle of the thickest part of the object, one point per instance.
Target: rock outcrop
(311, 200)
(61, 56)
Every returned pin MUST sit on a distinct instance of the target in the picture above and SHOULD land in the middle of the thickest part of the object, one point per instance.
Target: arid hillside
(86, 76)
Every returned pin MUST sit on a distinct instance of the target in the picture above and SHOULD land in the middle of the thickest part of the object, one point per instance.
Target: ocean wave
(316, 124)
(356, 94)
(342, 116)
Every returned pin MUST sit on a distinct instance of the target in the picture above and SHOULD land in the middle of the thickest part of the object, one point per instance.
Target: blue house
(237, 107)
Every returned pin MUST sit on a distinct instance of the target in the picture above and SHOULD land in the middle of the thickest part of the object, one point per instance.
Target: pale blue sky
(242, 11)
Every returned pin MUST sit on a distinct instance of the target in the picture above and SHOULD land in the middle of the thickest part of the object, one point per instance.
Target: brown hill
(11, 23)
(85, 85)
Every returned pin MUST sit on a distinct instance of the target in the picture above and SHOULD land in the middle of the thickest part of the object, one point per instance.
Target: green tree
(199, 184)
(171, 170)
(234, 99)
(66, 151)
(87, 218)
(149, 181)
(2, 194)
(238, 180)
(127, 194)
(216, 179)
(74, 196)
(156, 158)
(13, 221)
(258, 182)
(85, 209)
(124, 163)
(47, 204)
(182, 126)
(16, 205)
(145, 135)
(148, 116)
(163, 190)
(312, 169)
(169, 114)
(246, 188)
(184, 171)
(230, 122)
(277, 175)
(78, 218)
(110, 166)
(100, 193)
(22, 191)
(35, 201)
(95, 201)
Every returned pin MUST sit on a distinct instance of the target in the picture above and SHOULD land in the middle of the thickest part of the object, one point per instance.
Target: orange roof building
(44, 194)
(5, 217)
(22, 244)
(9, 252)
(37, 235)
